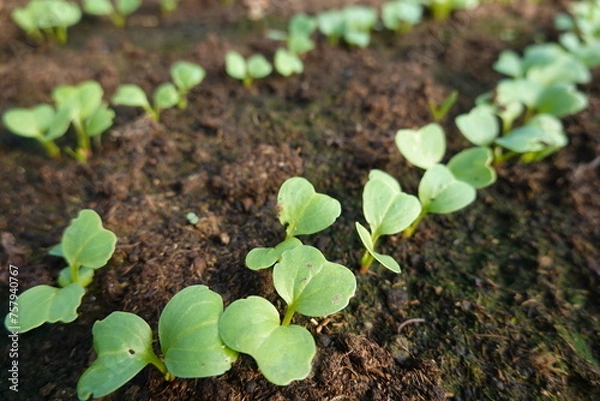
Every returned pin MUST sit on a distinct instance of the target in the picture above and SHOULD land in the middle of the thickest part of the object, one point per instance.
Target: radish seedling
(50, 19)
(86, 246)
(401, 15)
(441, 191)
(287, 63)
(582, 38)
(311, 286)
(255, 67)
(168, 6)
(388, 211)
(189, 340)
(300, 28)
(89, 114)
(116, 10)
(41, 123)
(185, 76)
(353, 23)
(164, 97)
(541, 136)
(441, 9)
(302, 211)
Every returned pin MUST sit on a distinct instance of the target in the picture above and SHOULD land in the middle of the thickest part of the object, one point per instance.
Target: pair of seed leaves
(302, 211)
(86, 246)
(185, 76)
(199, 339)
(542, 135)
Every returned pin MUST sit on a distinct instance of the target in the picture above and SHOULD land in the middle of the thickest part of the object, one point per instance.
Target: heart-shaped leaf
(189, 334)
(424, 147)
(440, 192)
(473, 166)
(480, 126)
(287, 63)
(186, 75)
(541, 132)
(262, 258)
(380, 175)
(509, 63)
(30, 123)
(387, 210)
(310, 284)
(99, 121)
(386, 260)
(123, 345)
(44, 304)
(303, 210)
(258, 66)
(130, 95)
(235, 65)
(165, 96)
(86, 243)
(283, 353)
(561, 100)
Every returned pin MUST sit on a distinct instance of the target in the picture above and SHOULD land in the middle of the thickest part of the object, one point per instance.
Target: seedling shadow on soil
(494, 302)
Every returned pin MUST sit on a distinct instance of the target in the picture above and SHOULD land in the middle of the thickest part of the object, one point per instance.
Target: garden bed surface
(507, 289)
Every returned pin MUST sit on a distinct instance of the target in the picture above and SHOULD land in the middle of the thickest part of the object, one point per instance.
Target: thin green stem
(74, 270)
(117, 19)
(365, 262)
(415, 224)
(367, 259)
(84, 147)
(160, 365)
(51, 149)
(289, 313)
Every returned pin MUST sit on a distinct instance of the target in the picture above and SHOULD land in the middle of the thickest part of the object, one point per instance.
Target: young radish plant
(444, 188)
(89, 114)
(185, 76)
(86, 246)
(388, 211)
(117, 10)
(311, 286)
(42, 123)
(401, 15)
(47, 19)
(247, 70)
(301, 211)
(353, 23)
(442, 9)
(188, 331)
(539, 137)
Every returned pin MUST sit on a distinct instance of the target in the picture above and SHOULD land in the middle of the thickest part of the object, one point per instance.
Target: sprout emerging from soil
(310, 286)
(41, 123)
(189, 340)
(353, 23)
(401, 15)
(388, 211)
(441, 9)
(255, 67)
(302, 211)
(443, 189)
(168, 6)
(86, 246)
(89, 114)
(117, 10)
(185, 76)
(42, 19)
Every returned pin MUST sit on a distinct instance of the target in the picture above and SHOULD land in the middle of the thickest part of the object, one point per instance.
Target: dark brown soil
(496, 302)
